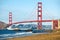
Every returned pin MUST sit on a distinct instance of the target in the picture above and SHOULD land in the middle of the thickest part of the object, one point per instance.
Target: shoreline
(49, 36)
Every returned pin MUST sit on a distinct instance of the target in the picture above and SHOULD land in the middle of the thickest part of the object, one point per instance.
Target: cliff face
(2, 25)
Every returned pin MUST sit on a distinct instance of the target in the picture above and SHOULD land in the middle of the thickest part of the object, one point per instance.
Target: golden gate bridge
(39, 18)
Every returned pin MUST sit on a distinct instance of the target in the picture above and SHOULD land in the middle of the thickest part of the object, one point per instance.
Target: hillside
(2, 25)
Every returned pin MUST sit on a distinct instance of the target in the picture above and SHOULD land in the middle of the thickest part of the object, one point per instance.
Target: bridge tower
(39, 15)
(10, 17)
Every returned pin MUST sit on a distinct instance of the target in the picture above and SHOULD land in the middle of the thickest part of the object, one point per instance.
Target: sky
(27, 9)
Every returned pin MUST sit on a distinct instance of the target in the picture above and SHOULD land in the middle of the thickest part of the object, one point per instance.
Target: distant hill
(2, 25)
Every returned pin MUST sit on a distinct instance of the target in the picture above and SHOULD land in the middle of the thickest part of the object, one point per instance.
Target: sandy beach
(50, 36)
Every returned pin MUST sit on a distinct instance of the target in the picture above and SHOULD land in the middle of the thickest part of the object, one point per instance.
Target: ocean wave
(21, 34)
(14, 35)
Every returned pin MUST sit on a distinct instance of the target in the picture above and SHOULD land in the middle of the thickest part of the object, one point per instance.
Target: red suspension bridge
(39, 18)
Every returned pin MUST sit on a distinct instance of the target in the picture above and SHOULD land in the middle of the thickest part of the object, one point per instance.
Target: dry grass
(52, 36)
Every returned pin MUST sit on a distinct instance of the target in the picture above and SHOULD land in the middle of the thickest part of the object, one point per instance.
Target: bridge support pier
(10, 18)
(39, 15)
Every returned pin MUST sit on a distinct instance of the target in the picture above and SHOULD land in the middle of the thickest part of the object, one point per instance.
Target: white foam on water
(5, 35)
(15, 35)
(22, 34)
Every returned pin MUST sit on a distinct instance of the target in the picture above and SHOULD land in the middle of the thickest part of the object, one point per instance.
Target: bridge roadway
(32, 21)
